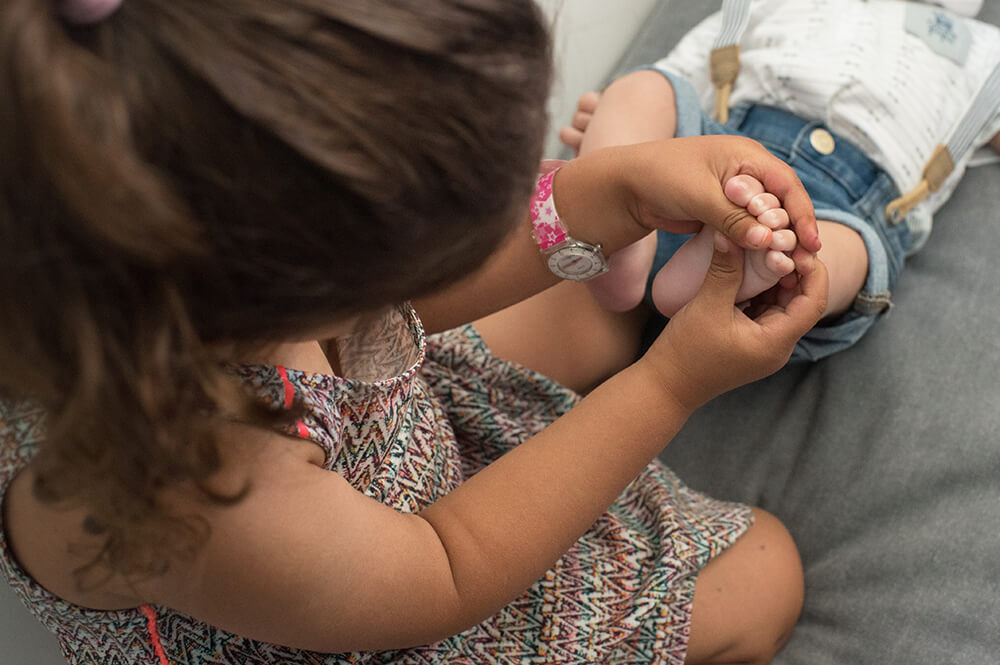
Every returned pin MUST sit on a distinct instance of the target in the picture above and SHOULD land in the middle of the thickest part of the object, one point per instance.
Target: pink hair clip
(87, 12)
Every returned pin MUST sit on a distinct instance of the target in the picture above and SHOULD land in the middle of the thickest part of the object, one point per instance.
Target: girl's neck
(315, 352)
(318, 356)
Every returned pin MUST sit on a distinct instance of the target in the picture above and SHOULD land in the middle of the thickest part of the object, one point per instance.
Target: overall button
(822, 141)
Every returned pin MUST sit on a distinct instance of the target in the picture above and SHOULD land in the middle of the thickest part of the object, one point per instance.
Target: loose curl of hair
(192, 173)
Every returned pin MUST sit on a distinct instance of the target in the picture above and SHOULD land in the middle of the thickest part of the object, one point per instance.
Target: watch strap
(547, 228)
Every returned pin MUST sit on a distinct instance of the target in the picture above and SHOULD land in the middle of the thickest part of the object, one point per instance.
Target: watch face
(578, 262)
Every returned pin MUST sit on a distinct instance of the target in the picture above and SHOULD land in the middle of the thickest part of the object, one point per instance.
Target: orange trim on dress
(154, 634)
(289, 389)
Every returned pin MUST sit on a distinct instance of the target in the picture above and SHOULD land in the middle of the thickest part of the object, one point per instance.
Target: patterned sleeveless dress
(416, 419)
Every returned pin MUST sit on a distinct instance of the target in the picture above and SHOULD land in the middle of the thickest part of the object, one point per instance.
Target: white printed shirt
(856, 66)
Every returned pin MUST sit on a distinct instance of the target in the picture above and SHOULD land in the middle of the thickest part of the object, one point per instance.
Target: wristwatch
(568, 258)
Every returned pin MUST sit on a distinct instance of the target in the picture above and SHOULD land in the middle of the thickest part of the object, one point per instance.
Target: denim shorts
(845, 186)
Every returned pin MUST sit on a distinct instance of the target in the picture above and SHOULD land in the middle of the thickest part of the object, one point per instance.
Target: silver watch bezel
(556, 255)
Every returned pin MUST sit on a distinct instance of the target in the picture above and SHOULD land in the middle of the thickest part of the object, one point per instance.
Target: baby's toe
(581, 120)
(571, 137)
(741, 189)
(778, 264)
(775, 218)
(588, 102)
(762, 203)
(783, 240)
(762, 270)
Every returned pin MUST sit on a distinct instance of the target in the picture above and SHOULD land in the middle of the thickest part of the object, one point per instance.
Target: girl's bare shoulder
(52, 544)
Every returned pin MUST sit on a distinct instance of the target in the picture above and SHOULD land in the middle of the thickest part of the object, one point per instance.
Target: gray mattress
(884, 460)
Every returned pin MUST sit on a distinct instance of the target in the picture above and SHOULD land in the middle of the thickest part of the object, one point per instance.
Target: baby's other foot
(572, 136)
(622, 288)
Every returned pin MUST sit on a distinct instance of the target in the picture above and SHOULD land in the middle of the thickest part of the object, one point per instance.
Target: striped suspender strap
(725, 65)
(942, 161)
(725, 56)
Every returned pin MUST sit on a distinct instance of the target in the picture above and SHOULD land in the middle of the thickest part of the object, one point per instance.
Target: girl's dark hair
(193, 173)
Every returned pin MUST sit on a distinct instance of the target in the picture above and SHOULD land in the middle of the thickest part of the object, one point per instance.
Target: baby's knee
(639, 87)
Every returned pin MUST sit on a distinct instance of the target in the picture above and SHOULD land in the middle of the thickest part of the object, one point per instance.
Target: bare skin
(640, 107)
(731, 592)
(678, 279)
(460, 559)
(746, 600)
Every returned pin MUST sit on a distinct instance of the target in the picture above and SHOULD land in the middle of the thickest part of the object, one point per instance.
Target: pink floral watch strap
(548, 229)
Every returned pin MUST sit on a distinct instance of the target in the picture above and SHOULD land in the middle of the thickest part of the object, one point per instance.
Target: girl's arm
(307, 561)
(618, 195)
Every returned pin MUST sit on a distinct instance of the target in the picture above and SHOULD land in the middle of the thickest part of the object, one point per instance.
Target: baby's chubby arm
(616, 196)
(305, 560)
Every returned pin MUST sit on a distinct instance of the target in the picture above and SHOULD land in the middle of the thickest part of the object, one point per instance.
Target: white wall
(589, 37)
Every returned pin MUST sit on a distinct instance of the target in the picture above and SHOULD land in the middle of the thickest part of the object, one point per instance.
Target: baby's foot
(763, 268)
(679, 280)
(572, 136)
(622, 288)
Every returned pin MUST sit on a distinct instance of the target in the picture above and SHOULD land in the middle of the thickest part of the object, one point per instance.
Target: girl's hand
(617, 195)
(681, 181)
(710, 346)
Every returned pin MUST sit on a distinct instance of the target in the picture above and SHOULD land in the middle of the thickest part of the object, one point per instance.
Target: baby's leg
(679, 280)
(636, 108)
(846, 259)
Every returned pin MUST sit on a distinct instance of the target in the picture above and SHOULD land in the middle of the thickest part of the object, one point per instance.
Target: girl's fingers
(724, 276)
(803, 311)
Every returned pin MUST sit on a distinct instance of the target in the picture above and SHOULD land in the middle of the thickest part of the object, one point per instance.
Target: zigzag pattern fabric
(622, 594)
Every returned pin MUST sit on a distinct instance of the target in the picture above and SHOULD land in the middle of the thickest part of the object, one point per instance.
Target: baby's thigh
(564, 334)
(635, 108)
(748, 599)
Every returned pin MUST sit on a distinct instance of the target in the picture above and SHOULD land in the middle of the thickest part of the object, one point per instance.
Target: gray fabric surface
(883, 461)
